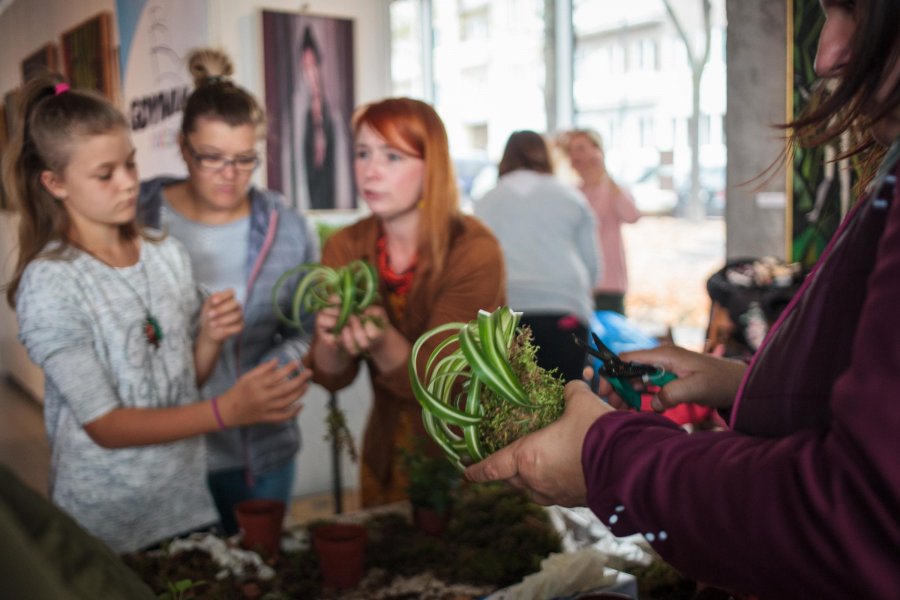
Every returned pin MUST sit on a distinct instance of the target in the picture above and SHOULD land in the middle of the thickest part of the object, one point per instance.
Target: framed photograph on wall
(819, 188)
(7, 120)
(88, 55)
(42, 60)
(309, 101)
(4, 140)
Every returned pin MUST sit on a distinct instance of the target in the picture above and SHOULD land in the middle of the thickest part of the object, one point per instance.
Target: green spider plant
(355, 286)
(481, 387)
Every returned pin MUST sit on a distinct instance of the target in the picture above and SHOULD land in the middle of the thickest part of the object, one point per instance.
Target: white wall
(235, 26)
(25, 26)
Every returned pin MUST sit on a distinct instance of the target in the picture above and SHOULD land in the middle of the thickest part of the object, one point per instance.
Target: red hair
(415, 128)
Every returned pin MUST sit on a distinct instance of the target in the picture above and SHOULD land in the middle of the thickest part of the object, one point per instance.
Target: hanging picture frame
(7, 121)
(42, 60)
(309, 102)
(88, 56)
(819, 188)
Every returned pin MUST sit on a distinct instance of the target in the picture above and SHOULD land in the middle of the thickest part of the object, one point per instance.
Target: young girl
(241, 237)
(110, 313)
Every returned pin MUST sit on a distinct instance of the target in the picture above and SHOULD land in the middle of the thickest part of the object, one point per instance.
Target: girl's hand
(221, 317)
(267, 394)
(702, 378)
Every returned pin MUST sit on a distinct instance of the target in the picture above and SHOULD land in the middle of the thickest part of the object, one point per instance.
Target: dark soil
(495, 537)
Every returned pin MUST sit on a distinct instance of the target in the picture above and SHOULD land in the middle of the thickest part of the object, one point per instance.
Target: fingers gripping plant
(352, 288)
(480, 387)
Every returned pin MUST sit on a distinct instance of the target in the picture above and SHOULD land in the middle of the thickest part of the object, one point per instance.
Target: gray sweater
(82, 322)
(547, 233)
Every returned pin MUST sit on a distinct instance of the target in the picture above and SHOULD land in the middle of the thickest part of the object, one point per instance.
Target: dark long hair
(48, 125)
(850, 104)
(525, 150)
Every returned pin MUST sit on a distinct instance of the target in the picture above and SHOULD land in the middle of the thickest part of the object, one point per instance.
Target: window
(646, 129)
(474, 24)
(488, 72)
(647, 54)
(704, 129)
(407, 52)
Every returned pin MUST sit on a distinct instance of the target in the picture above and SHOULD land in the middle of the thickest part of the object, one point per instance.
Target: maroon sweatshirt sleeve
(813, 514)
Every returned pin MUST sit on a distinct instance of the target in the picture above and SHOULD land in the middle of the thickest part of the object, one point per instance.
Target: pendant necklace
(152, 329)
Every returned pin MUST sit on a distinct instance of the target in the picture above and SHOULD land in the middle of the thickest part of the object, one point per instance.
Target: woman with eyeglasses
(243, 238)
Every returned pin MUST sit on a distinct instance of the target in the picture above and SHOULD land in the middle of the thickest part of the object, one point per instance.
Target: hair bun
(208, 65)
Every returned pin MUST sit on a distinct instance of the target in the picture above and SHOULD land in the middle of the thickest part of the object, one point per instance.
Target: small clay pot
(341, 549)
(260, 521)
(430, 521)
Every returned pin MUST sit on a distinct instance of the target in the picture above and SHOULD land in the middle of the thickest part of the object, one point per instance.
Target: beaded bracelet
(215, 408)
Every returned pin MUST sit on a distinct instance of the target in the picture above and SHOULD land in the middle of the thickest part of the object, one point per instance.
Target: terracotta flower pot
(341, 549)
(429, 520)
(260, 522)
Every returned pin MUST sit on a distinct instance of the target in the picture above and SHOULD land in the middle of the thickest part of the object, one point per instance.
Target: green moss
(496, 536)
(505, 422)
(432, 481)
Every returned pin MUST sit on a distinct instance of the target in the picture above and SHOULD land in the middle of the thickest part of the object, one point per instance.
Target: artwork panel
(309, 101)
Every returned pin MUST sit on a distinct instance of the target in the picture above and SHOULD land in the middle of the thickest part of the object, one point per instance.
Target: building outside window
(495, 65)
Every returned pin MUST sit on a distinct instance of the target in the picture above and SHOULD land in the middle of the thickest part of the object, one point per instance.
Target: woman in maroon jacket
(801, 498)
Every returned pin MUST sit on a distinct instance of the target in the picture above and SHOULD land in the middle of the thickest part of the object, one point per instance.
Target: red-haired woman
(435, 266)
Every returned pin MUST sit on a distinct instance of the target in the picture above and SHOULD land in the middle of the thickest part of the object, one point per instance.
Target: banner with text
(155, 37)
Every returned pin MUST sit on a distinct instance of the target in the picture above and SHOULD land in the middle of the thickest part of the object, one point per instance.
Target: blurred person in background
(548, 235)
(612, 206)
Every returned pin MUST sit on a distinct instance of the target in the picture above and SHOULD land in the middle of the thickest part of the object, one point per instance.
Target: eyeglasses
(216, 162)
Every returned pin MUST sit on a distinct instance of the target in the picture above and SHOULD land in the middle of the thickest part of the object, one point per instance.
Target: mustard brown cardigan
(473, 279)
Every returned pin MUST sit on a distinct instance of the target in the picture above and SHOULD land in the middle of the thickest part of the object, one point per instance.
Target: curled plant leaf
(480, 387)
(354, 286)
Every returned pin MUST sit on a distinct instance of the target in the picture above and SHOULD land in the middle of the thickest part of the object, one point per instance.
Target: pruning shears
(619, 372)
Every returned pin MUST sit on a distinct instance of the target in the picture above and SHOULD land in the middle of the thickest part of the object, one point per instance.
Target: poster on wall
(88, 57)
(155, 38)
(309, 101)
(819, 188)
(7, 122)
(41, 61)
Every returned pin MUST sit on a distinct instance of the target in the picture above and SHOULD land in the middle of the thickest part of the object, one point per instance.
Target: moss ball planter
(480, 386)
